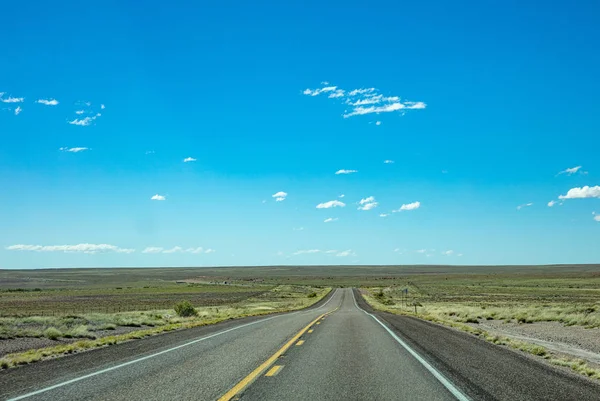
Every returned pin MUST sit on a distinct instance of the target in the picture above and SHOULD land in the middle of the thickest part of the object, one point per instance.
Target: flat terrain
(333, 351)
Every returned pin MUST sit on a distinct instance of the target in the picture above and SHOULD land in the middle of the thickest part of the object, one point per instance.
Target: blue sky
(488, 112)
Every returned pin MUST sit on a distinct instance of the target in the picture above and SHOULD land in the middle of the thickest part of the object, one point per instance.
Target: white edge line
(99, 372)
(441, 378)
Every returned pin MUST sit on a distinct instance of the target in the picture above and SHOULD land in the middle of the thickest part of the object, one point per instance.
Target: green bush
(312, 295)
(52, 333)
(185, 309)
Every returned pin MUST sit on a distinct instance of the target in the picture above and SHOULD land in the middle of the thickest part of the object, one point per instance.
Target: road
(338, 350)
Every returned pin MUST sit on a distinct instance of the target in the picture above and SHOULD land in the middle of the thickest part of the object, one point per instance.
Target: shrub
(185, 309)
(312, 295)
(52, 333)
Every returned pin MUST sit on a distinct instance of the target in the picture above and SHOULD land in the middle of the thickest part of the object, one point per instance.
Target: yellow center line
(274, 370)
(300, 342)
(266, 364)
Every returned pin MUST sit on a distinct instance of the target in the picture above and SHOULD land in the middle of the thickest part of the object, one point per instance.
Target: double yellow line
(245, 382)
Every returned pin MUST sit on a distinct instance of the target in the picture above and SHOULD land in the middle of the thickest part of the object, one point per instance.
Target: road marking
(310, 331)
(274, 370)
(300, 342)
(246, 381)
(122, 365)
(438, 375)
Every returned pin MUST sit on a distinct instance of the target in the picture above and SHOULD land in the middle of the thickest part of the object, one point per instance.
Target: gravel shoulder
(574, 341)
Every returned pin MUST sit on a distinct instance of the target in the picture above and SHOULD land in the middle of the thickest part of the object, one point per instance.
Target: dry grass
(279, 299)
(449, 316)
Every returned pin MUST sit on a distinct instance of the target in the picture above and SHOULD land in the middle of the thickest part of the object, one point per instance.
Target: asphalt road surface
(338, 350)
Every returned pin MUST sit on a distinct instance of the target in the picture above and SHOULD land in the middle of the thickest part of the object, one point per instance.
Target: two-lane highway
(340, 349)
(350, 356)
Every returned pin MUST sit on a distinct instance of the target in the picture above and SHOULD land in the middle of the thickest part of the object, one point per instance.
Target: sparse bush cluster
(185, 309)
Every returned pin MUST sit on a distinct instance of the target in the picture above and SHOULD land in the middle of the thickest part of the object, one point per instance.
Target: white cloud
(47, 102)
(175, 249)
(280, 196)
(359, 98)
(552, 203)
(368, 203)
(315, 92)
(102, 107)
(421, 250)
(345, 253)
(18, 110)
(150, 152)
(11, 99)
(341, 196)
(570, 171)
(377, 122)
(388, 161)
(408, 206)
(330, 204)
(330, 219)
(81, 248)
(305, 251)
(73, 150)
(84, 122)
(346, 172)
(189, 159)
(583, 192)
(384, 215)
(158, 197)
(597, 217)
(359, 111)
(448, 253)
(524, 205)
(153, 249)
(79, 112)
(298, 229)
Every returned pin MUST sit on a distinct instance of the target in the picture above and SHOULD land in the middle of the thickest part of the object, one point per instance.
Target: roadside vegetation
(465, 302)
(75, 333)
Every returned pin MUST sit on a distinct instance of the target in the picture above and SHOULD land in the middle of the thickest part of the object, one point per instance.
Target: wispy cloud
(330, 204)
(73, 150)
(18, 110)
(47, 102)
(189, 159)
(79, 248)
(330, 219)
(11, 99)
(158, 197)
(345, 253)
(280, 196)
(583, 192)
(384, 215)
(177, 249)
(377, 122)
(552, 203)
(341, 196)
(448, 252)
(524, 205)
(79, 112)
(421, 250)
(346, 172)
(367, 203)
(307, 251)
(388, 161)
(102, 107)
(298, 229)
(571, 171)
(596, 216)
(359, 98)
(82, 122)
(408, 206)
